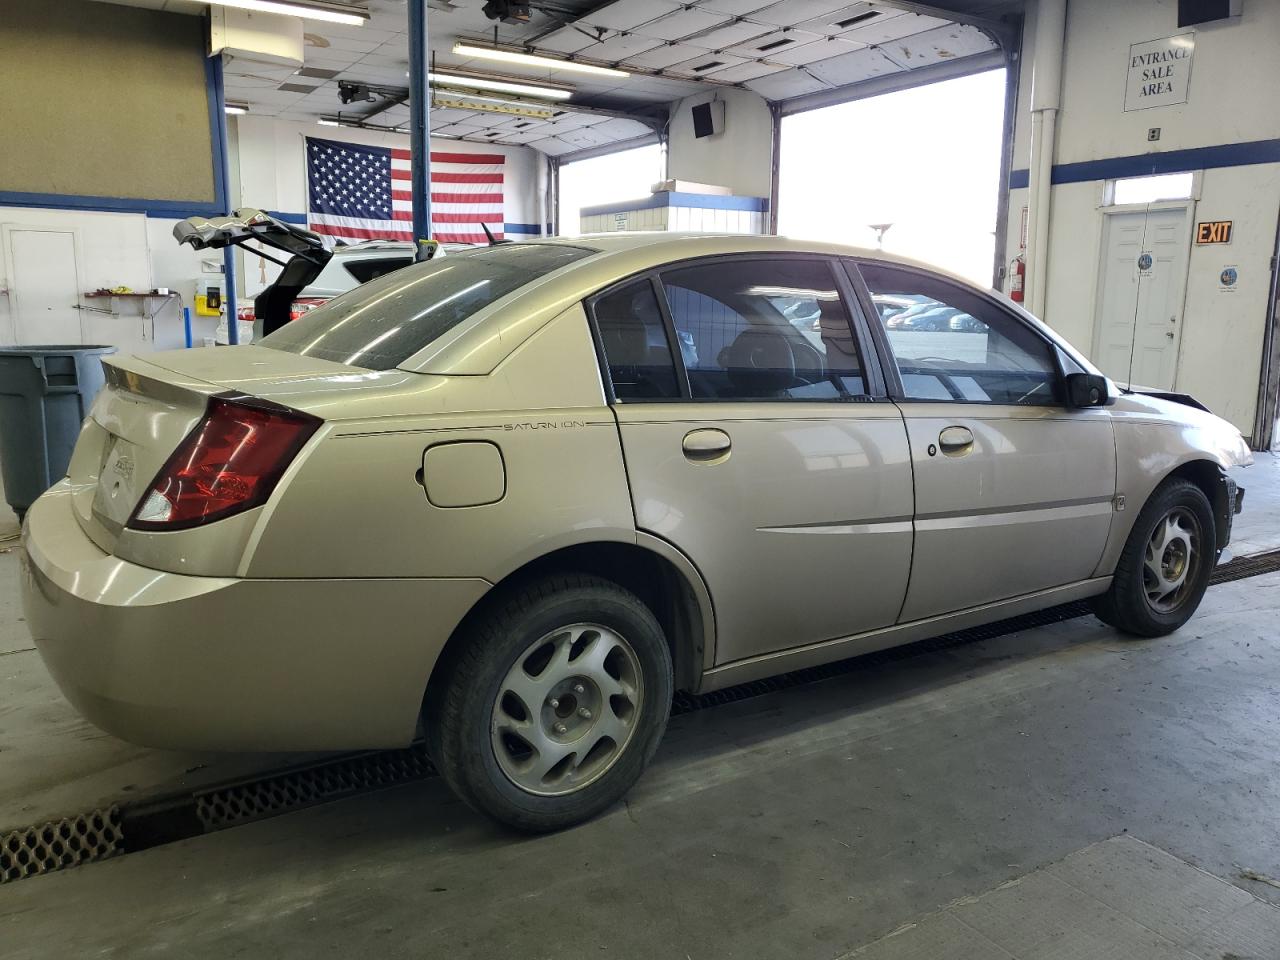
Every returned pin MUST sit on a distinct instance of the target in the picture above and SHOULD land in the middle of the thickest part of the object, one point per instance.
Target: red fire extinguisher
(1017, 276)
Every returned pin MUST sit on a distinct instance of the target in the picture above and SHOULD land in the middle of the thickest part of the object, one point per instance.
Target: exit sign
(1213, 231)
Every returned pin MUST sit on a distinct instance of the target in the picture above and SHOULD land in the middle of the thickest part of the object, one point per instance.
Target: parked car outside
(517, 498)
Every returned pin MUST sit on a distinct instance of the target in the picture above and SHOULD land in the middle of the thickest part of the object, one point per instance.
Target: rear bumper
(211, 663)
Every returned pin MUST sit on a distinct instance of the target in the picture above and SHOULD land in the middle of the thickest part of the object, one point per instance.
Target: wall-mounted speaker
(1191, 12)
(708, 119)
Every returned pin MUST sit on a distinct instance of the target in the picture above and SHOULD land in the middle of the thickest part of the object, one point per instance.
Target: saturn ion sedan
(515, 499)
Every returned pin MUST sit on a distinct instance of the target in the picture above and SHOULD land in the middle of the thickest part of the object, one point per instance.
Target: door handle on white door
(706, 445)
(956, 441)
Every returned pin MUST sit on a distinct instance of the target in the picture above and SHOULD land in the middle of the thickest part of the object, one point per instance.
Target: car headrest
(759, 362)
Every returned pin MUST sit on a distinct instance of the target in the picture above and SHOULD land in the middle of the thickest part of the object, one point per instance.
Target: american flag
(360, 192)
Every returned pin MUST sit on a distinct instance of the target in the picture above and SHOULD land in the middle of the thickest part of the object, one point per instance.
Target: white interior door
(1140, 294)
(1158, 319)
(44, 286)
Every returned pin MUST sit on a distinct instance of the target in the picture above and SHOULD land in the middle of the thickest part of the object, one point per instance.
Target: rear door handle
(956, 441)
(706, 445)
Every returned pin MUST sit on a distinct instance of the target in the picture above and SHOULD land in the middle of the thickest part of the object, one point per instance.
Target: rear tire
(555, 705)
(1165, 566)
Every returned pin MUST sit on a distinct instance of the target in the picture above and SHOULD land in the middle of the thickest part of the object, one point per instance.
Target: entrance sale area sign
(1159, 72)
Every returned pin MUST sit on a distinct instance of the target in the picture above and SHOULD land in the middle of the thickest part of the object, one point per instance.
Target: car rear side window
(385, 321)
(951, 344)
(366, 270)
(764, 330)
(635, 343)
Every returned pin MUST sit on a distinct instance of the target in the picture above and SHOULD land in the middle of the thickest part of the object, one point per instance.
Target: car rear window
(385, 321)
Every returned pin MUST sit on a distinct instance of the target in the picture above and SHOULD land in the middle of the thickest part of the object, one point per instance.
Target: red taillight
(230, 462)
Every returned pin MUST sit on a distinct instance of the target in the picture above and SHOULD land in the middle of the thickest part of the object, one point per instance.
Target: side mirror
(1087, 390)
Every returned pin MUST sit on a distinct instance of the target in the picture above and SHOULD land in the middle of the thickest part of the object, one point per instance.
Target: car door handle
(704, 446)
(956, 441)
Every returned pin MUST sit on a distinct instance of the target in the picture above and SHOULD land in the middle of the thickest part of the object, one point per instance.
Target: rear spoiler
(308, 253)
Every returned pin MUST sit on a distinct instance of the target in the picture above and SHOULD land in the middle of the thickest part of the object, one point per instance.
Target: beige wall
(739, 158)
(103, 100)
(1232, 99)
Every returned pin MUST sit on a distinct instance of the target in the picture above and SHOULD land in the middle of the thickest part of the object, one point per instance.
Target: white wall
(115, 249)
(1231, 100)
(740, 158)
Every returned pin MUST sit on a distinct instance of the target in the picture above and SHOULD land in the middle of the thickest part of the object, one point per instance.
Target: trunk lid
(149, 406)
(136, 422)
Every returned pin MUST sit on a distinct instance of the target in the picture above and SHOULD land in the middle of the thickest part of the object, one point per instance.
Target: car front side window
(949, 343)
(763, 330)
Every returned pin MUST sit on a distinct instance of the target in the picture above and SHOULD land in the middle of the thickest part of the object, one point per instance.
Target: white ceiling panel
(934, 46)
(771, 45)
(790, 12)
(565, 40)
(707, 64)
(659, 58)
(782, 86)
(449, 115)
(852, 67)
(619, 128)
(735, 8)
(585, 137)
(674, 26)
(885, 28)
(846, 18)
(748, 71)
(335, 42)
(627, 14)
(553, 146)
(731, 34)
(517, 137)
(620, 46)
(658, 88)
(572, 121)
(824, 49)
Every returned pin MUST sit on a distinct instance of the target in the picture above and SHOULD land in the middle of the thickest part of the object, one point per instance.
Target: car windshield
(384, 322)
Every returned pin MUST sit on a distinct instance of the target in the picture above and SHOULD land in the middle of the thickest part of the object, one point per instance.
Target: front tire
(555, 705)
(1165, 566)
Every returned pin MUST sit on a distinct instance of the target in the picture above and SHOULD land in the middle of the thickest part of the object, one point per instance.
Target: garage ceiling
(780, 49)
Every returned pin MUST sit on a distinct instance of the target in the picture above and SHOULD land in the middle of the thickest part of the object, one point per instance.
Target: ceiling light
(235, 109)
(354, 16)
(501, 86)
(326, 122)
(490, 105)
(534, 60)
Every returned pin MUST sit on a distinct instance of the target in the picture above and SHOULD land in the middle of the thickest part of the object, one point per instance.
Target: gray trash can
(45, 393)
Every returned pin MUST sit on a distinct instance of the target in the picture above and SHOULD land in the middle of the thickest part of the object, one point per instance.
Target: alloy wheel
(567, 709)
(1171, 562)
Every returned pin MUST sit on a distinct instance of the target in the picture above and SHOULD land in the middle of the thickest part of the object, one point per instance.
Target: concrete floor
(804, 824)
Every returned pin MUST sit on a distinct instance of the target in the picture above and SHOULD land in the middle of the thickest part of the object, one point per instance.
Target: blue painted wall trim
(176, 209)
(521, 228)
(298, 218)
(217, 126)
(703, 201)
(1148, 164)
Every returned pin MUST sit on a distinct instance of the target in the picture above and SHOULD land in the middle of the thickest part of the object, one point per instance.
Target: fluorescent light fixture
(326, 122)
(308, 11)
(500, 86)
(534, 60)
(235, 109)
